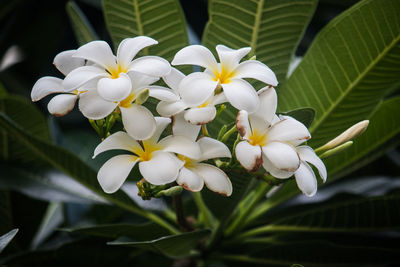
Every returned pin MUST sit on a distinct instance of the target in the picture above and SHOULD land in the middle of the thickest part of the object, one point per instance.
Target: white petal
(268, 104)
(283, 156)
(162, 168)
(249, 156)
(114, 172)
(94, 106)
(115, 89)
(241, 95)
(119, 140)
(258, 124)
(219, 99)
(173, 79)
(305, 179)
(181, 145)
(161, 124)
(289, 130)
(140, 80)
(138, 122)
(200, 116)
(45, 86)
(274, 171)
(212, 148)
(163, 93)
(129, 47)
(62, 104)
(306, 153)
(242, 124)
(195, 55)
(151, 65)
(196, 88)
(98, 52)
(65, 63)
(168, 109)
(81, 76)
(256, 70)
(214, 178)
(181, 127)
(230, 58)
(190, 180)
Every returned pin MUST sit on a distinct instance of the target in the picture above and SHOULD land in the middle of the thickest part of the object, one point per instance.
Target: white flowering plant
(202, 149)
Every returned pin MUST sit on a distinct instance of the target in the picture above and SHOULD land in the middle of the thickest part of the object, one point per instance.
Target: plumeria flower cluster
(108, 84)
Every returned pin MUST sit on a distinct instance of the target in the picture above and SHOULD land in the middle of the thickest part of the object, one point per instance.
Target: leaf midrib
(348, 90)
(254, 35)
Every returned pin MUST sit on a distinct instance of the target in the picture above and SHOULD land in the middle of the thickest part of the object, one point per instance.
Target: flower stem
(226, 136)
(208, 219)
(180, 215)
(204, 130)
(237, 224)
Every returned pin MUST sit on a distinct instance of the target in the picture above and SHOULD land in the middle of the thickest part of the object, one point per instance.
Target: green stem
(226, 136)
(237, 224)
(204, 130)
(161, 222)
(180, 214)
(203, 209)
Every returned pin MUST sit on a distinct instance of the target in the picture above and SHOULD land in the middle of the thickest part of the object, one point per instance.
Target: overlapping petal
(283, 156)
(230, 58)
(268, 104)
(168, 109)
(81, 76)
(65, 63)
(289, 130)
(215, 179)
(249, 156)
(129, 47)
(242, 124)
(45, 86)
(62, 104)
(173, 79)
(196, 88)
(119, 140)
(274, 171)
(138, 121)
(195, 55)
(94, 106)
(162, 168)
(190, 180)
(241, 95)
(181, 145)
(212, 148)
(181, 127)
(307, 154)
(163, 93)
(98, 52)
(115, 89)
(150, 65)
(306, 180)
(200, 116)
(256, 70)
(114, 172)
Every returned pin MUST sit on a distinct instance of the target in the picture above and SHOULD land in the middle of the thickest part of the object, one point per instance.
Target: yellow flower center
(258, 139)
(126, 103)
(116, 72)
(223, 76)
(146, 153)
(188, 161)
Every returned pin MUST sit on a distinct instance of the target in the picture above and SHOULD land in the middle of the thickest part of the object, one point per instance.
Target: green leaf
(17, 108)
(174, 246)
(382, 134)
(84, 32)
(304, 115)
(350, 66)
(5, 211)
(67, 162)
(337, 215)
(162, 20)
(45, 185)
(51, 220)
(271, 28)
(5, 239)
(139, 232)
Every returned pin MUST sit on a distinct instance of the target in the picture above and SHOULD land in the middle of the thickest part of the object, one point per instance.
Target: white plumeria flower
(194, 174)
(198, 87)
(64, 102)
(269, 144)
(138, 121)
(157, 163)
(174, 104)
(304, 175)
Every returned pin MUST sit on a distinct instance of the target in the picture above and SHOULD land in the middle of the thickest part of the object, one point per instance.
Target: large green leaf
(139, 232)
(162, 20)
(52, 219)
(349, 67)
(272, 28)
(84, 32)
(6, 238)
(65, 161)
(340, 214)
(16, 107)
(174, 246)
(382, 134)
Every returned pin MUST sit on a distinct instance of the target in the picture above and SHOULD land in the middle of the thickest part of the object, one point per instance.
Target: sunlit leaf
(5, 239)
(84, 32)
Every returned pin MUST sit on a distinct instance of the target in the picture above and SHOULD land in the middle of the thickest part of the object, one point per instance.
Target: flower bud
(142, 97)
(173, 191)
(336, 150)
(346, 136)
